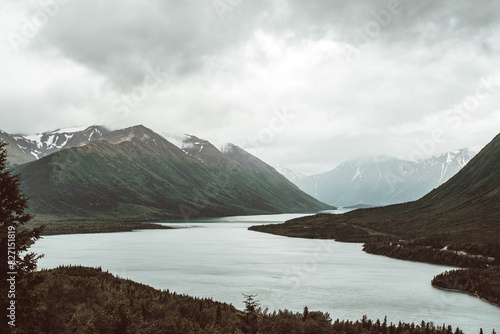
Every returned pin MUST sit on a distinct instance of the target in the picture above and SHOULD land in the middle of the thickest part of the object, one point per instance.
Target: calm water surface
(220, 259)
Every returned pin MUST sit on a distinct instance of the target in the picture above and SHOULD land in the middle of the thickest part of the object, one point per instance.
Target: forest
(82, 300)
(483, 283)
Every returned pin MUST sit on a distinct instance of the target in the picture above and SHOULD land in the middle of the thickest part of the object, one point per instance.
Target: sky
(301, 84)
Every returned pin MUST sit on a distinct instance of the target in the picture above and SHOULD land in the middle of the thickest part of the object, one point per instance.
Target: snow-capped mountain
(381, 180)
(25, 148)
(291, 175)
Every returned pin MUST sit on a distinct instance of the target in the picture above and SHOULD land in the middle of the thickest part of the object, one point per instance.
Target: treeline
(55, 227)
(85, 300)
(321, 227)
(415, 251)
(484, 283)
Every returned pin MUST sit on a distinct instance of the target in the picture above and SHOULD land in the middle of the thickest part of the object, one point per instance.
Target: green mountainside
(135, 174)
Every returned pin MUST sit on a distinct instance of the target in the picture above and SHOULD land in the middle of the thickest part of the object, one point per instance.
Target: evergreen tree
(305, 314)
(249, 321)
(218, 315)
(16, 287)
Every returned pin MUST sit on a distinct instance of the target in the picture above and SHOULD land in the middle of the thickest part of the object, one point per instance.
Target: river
(219, 258)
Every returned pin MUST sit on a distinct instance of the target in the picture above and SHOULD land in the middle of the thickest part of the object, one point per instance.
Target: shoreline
(400, 259)
(466, 292)
(97, 227)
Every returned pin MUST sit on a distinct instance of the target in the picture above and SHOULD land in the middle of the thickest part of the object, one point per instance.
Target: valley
(250, 167)
(129, 178)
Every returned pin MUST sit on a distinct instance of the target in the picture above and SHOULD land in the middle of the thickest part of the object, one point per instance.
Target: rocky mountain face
(381, 180)
(25, 148)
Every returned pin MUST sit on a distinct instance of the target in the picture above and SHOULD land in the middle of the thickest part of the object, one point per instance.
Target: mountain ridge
(26, 148)
(134, 174)
(381, 180)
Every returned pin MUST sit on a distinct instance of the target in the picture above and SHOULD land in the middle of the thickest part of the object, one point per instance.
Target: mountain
(381, 180)
(23, 148)
(463, 210)
(136, 174)
(16, 154)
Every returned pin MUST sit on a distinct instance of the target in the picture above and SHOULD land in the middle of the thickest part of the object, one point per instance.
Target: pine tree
(249, 321)
(305, 314)
(15, 260)
(218, 315)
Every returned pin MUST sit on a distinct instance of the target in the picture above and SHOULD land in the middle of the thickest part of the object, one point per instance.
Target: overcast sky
(302, 84)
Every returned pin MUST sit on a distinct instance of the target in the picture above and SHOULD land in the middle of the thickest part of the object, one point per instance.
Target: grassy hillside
(136, 175)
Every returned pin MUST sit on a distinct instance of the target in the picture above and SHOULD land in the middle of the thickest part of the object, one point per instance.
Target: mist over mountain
(380, 180)
(134, 174)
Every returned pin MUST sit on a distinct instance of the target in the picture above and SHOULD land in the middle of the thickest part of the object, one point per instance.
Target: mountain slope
(464, 209)
(135, 174)
(381, 180)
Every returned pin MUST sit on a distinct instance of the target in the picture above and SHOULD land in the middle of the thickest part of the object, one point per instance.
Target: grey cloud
(122, 39)
(222, 82)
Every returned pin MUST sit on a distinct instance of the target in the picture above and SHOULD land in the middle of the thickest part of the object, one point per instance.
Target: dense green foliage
(457, 224)
(87, 300)
(137, 175)
(484, 283)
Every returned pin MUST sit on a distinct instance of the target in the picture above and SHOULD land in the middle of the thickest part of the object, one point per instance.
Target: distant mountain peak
(381, 180)
(204, 151)
(228, 148)
(128, 134)
(369, 160)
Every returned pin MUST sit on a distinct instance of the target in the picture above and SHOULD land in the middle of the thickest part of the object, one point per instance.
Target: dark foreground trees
(17, 301)
(85, 300)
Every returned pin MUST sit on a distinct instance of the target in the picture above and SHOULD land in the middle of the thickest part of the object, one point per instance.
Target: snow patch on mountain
(42, 144)
(380, 180)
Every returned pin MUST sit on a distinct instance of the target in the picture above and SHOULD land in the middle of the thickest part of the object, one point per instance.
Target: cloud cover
(355, 78)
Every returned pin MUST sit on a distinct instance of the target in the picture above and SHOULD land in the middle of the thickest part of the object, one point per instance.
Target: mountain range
(24, 149)
(380, 181)
(463, 211)
(134, 174)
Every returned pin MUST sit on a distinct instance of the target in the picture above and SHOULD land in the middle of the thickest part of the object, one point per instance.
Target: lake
(220, 259)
